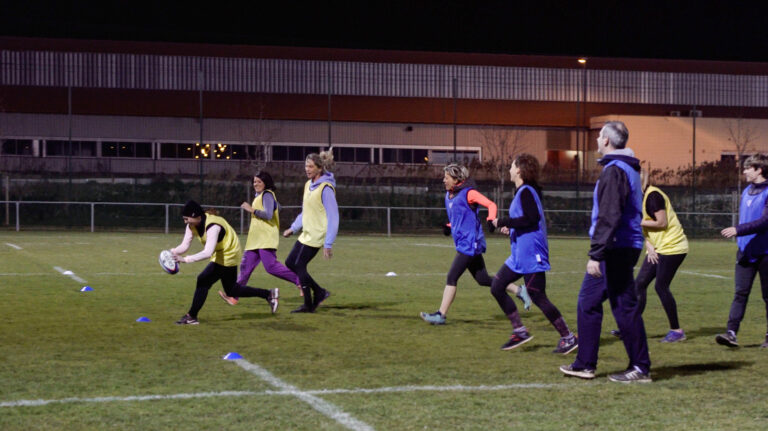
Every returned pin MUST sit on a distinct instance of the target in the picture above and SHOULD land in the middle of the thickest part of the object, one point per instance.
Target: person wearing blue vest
(529, 257)
(462, 202)
(616, 242)
(752, 239)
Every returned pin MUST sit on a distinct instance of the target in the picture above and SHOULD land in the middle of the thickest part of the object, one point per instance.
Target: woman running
(529, 258)
(462, 202)
(221, 245)
(263, 236)
(319, 222)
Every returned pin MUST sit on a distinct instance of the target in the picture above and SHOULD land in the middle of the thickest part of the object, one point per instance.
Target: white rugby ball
(167, 263)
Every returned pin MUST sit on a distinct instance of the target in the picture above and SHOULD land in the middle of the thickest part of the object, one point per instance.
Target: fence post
(242, 224)
(92, 216)
(389, 222)
(18, 225)
(166, 219)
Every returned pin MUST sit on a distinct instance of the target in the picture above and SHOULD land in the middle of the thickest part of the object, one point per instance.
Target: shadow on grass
(662, 373)
(710, 331)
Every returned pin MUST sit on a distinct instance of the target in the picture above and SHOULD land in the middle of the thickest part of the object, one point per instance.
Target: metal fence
(165, 217)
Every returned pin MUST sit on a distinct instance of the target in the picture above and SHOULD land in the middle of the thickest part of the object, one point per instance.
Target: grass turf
(86, 351)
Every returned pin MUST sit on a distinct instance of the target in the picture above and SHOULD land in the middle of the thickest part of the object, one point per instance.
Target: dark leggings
(476, 266)
(744, 277)
(535, 283)
(297, 262)
(214, 272)
(663, 272)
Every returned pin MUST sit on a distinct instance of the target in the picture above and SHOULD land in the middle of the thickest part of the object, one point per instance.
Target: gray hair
(616, 133)
(457, 171)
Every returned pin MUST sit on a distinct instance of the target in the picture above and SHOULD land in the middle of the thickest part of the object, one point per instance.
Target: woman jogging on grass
(263, 236)
(221, 245)
(319, 222)
(462, 202)
(529, 256)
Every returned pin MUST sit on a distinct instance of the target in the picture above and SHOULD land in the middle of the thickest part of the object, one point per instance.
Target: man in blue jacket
(617, 240)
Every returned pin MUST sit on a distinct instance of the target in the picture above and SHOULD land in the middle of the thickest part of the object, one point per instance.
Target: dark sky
(717, 30)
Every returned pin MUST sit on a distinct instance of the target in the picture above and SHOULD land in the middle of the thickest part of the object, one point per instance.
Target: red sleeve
(475, 197)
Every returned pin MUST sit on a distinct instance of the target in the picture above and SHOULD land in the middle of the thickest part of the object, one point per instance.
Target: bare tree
(501, 145)
(262, 133)
(742, 135)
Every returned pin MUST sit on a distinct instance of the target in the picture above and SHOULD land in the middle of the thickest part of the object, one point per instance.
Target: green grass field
(79, 360)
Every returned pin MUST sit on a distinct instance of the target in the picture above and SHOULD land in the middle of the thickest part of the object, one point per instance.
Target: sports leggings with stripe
(297, 262)
(536, 284)
(214, 272)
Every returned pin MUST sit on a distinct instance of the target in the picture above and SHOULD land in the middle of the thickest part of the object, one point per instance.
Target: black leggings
(536, 284)
(214, 272)
(297, 262)
(663, 272)
(476, 266)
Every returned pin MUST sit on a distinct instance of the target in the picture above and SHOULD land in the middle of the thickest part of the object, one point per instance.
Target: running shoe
(765, 344)
(231, 300)
(566, 345)
(302, 309)
(673, 337)
(616, 333)
(630, 376)
(524, 296)
(320, 298)
(187, 320)
(517, 339)
(435, 318)
(273, 300)
(727, 339)
(582, 373)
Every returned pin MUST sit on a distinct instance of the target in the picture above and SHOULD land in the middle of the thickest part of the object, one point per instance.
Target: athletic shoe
(435, 318)
(231, 300)
(727, 339)
(582, 373)
(187, 320)
(517, 339)
(616, 333)
(320, 298)
(273, 300)
(630, 376)
(523, 295)
(566, 345)
(673, 337)
(302, 309)
(765, 345)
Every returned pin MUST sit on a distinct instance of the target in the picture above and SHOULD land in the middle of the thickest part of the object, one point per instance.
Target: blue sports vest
(750, 209)
(466, 229)
(529, 248)
(628, 233)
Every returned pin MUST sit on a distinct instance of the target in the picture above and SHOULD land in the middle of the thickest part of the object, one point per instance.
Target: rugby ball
(167, 263)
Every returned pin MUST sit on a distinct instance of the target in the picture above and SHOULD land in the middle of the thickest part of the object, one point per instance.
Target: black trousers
(536, 284)
(214, 272)
(744, 276)
(663, 271)
(297, 261)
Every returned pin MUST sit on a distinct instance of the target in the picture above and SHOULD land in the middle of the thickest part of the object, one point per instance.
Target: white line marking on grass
(706, 275)
(316, 403)
(433, 245)
(69, 274)
(13, 246)
(394, 389)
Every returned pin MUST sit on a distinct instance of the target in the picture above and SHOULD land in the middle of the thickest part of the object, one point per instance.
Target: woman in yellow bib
(221, 246)
(666, 247)
(319, 222)
(263, 236)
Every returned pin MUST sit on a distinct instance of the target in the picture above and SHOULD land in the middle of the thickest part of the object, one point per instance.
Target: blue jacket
(466, 229)
(529, 250)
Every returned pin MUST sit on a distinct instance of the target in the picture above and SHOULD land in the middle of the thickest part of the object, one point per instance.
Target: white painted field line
(700, 274)
(434, 245)
(316, 403)
(69, 274)
(393, 389)
(13, 246)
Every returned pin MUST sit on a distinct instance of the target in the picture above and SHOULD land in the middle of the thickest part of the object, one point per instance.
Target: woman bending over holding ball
(319, 223)
(221, 246)
(529, 257)
(263, 236)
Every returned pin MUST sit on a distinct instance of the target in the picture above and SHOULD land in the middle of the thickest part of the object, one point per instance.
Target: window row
(221, 151)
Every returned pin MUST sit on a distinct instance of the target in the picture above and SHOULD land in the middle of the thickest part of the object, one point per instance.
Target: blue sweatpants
(618, 286)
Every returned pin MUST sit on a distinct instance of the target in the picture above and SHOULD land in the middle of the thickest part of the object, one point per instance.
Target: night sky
(716, 30)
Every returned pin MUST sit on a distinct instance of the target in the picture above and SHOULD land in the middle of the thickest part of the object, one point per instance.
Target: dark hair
(529, 170)
(323, 159)
(269, 183)
(758, 161)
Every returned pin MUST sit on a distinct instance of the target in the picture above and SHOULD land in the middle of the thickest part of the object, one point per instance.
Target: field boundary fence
(382, 220)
